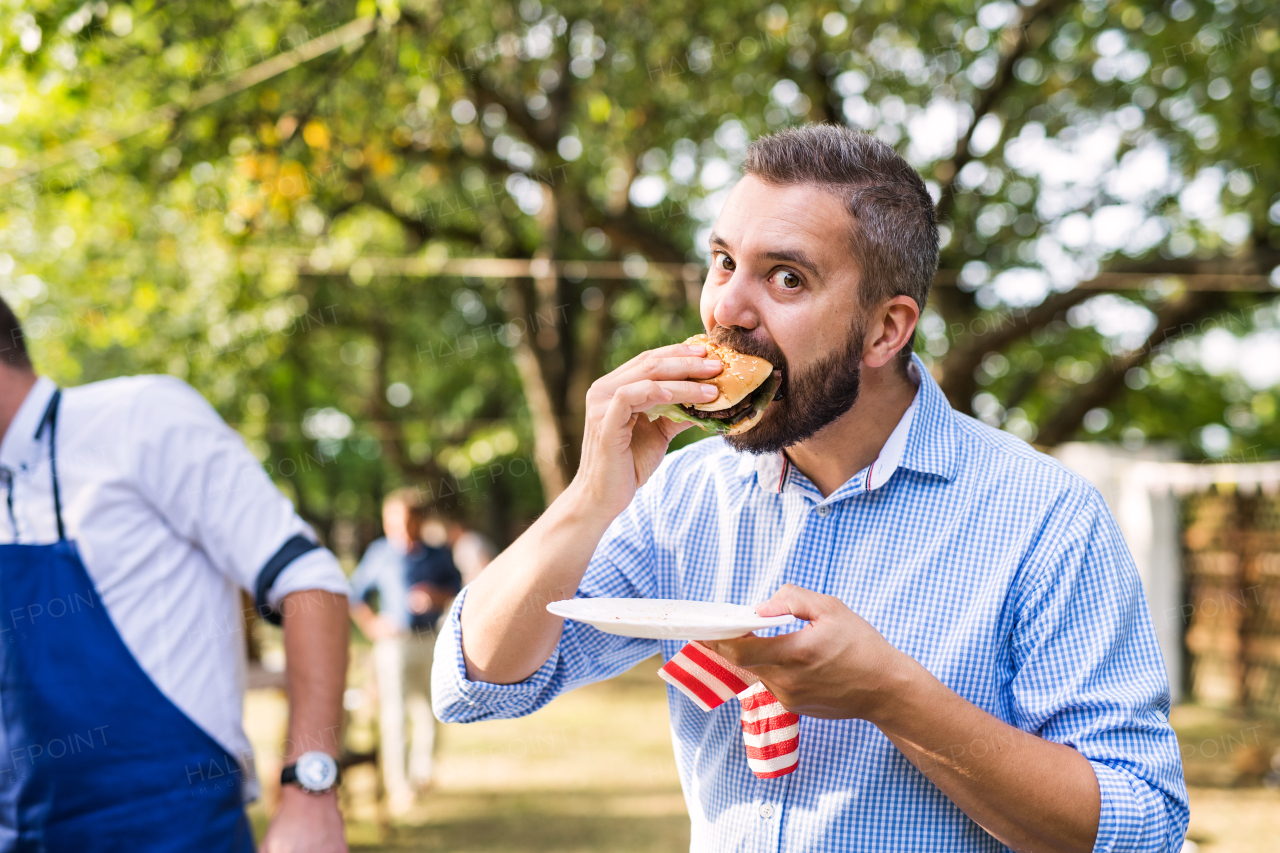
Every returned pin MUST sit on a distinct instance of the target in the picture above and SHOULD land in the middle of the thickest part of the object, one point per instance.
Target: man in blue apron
(136, 517)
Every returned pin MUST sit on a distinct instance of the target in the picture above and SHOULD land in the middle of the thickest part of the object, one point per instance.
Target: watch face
(317, 771)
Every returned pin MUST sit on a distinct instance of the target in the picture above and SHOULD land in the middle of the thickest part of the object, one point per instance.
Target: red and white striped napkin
(771, 732)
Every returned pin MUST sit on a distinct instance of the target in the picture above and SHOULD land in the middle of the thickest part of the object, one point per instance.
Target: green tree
(231, 193)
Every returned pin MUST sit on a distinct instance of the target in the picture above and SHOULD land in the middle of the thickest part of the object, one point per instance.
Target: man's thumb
(795, 600)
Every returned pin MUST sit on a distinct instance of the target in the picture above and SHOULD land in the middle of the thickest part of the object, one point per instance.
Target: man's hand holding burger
(621, 447)
(507, 632)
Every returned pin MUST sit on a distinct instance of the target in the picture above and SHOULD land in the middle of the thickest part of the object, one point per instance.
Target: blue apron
(93, 757)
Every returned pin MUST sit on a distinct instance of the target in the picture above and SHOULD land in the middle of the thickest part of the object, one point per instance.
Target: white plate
(666, 619)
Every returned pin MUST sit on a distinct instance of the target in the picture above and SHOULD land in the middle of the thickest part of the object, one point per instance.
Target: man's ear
(889, 330)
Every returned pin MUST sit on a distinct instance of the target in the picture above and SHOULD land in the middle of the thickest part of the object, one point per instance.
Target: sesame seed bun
(741, 375)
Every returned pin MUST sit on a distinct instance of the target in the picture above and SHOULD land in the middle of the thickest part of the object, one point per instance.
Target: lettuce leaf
(765, 393)
(672, 412)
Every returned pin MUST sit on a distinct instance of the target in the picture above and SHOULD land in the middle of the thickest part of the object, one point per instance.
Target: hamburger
(747, 386)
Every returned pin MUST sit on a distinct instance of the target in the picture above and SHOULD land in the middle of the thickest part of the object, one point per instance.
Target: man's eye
(723, 261)
(788, 279)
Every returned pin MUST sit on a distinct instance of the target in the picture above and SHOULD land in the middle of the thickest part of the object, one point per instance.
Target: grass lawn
(591, 771)
(594, 771)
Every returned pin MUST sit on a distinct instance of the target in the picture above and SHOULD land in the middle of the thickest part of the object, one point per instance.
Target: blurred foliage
(221, 241)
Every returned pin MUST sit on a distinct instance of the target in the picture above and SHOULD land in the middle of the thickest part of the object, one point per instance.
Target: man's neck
(15, 385)
(855, 439)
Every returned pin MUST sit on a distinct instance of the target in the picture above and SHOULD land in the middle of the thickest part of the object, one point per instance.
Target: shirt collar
(20, 450)
(923, 440)
(931, 446)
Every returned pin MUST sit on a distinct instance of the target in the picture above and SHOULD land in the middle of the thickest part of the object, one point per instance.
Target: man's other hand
(427, 597)
(375, 626)
(836, 667)
(306, 823)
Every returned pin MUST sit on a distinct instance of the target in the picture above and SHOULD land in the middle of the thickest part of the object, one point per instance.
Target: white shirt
(173, 516)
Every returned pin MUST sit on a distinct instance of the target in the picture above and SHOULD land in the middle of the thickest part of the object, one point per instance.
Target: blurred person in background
(136, 517)
(414, 583)
(472, 550)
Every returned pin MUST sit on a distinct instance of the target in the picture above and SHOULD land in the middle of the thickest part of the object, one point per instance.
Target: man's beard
(811, 398)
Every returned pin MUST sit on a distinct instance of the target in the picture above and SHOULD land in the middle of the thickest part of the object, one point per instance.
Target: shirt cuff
(316, 569)
(1121, 818)
(458, 699)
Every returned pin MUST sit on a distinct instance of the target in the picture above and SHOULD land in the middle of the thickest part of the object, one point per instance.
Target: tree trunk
(539, 360)
(548, 442)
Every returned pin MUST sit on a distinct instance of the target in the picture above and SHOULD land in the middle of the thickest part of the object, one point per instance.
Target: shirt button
(766, 810)
(823, 510)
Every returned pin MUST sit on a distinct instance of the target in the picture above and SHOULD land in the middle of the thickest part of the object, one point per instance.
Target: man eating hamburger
(976, 669)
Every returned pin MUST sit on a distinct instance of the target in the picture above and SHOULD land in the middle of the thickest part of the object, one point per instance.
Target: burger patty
(733, 413)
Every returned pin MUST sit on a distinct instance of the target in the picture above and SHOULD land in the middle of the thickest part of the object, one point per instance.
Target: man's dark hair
(895, 236)
(13, 346)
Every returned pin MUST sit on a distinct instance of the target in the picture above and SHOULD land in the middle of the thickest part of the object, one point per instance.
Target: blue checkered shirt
(996, 568)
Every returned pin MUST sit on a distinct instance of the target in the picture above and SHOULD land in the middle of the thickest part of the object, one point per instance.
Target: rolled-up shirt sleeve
(621, 567)
(1089, 674)
(314, 570)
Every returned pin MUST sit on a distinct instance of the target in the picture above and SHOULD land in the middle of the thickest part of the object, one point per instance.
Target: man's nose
(735, 302)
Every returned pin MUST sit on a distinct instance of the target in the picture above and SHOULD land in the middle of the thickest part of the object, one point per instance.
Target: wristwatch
(315, 773)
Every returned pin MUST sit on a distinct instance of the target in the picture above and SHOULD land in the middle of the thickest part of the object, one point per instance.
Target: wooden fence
(1231, 610)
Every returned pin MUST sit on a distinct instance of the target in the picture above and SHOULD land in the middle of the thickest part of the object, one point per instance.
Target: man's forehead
(756, 210)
